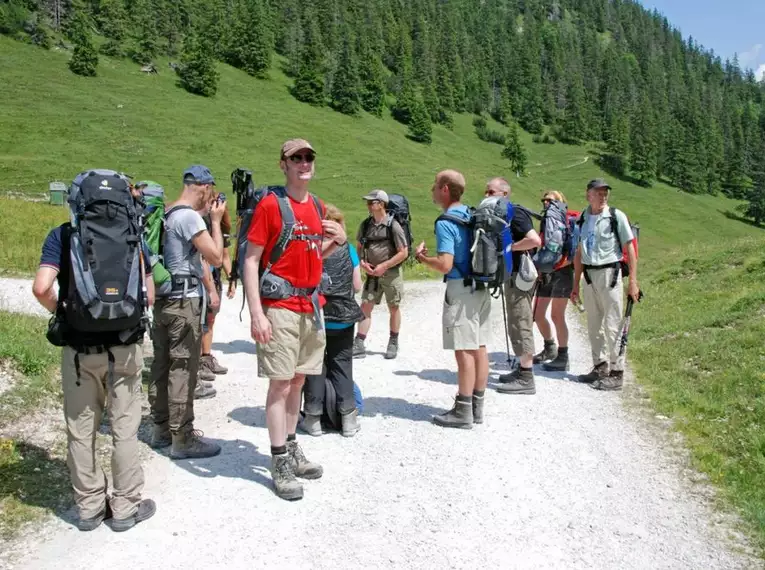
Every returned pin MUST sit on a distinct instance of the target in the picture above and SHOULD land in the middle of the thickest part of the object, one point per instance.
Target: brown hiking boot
(611, 383)
(188, 444)
(216, 366)
(283, 475)
(521, 382)
(205, 371)
(599, 372)
(549, 352)
(161, 436)
(300, 464)
(478, 409)
(460, 416)
(558, 364)
(145, 511)
(94, 522)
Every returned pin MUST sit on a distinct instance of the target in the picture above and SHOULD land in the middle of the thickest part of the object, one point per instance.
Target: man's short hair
(502, 184)
(454, 180)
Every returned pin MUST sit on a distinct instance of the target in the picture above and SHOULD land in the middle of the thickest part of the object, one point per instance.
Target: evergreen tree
(573, 127)
(145, 47)
(251, 43)
(197, 72)
(112, 24)
(420, 127)
(406, 99)
(372, 79)
(309, 81)
(346, 84)
(84, 60)
(643, 147)
(514, 151)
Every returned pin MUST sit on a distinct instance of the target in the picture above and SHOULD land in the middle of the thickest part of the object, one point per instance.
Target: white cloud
(760, 73)
(751, 56)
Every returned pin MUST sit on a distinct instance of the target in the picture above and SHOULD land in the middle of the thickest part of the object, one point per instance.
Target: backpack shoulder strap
(615, 226)
(288, 223)
(580, 220)
(459, 220)
(529, 212)
(317, 203)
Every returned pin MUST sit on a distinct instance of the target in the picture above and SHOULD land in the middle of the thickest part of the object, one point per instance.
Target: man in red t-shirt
(287, 322)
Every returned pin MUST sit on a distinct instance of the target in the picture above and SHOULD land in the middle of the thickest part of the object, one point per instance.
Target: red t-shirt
(301, 263)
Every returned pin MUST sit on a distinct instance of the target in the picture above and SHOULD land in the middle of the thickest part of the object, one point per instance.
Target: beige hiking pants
(604, 306)
(83, 408)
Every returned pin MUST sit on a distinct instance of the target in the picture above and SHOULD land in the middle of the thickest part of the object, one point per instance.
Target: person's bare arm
(443, 262)
(227, 262)
(357, 283)
(577, 275)
(42, 288)
(530, 241)
(397, 259)
(150, 290)
(211, 246)
(634, 289)
(260, 326)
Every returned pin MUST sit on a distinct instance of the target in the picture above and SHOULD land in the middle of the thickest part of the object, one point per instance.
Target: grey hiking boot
(188, 444)
(283, 476)
(215, 366)
(392, 349)
(205, 372)
(599, 372)
(145, 511)
(549, 352)
(161, 436)
(611, 383)
(204, 390)
(460, 416)
(350, 423)
(521, 382)
(477, 409)
(359, 351)
(92, 523)
(311, 425)
(558, 364)
(300, 464)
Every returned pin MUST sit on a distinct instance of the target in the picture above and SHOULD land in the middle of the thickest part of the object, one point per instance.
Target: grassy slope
(696, 341)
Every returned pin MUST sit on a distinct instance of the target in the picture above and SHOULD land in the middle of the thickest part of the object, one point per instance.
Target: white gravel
(16, 296)
(567, 478)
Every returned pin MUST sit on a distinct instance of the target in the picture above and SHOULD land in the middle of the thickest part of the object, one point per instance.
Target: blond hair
(554, 195)
(334, 214)
(454, 180)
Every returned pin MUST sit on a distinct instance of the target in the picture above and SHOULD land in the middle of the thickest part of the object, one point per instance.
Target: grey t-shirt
(181, 257)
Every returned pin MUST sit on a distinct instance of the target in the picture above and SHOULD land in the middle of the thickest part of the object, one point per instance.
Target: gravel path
(564, 479)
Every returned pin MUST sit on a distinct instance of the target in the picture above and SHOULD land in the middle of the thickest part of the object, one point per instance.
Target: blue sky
(727, 27)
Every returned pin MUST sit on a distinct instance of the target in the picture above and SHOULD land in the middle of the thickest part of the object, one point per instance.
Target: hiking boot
(520, 382)
(188, 444)
(549, 352)
(300, 464)
(93, 523)
(311, 425)
(359, 351)
(204, 391)
(161, 436)
(477, 409)
(460, 416)
(215, 366)
(392, 349)
(599, 372)
(558, 364)
(145, 510)
(283, 475)
(205, 372)
(611, 383)
(350, 423)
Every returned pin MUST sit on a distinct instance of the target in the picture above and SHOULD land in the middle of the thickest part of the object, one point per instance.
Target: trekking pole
(504, 321)
(627, 323)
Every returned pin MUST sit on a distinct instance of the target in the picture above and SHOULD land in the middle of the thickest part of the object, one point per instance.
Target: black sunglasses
(298, 158)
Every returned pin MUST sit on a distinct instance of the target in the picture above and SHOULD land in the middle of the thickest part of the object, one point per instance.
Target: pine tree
(643, 147)
(251, 43)
(514, 151)
(197, 72)
(346, 84)
(309, 81)
(112, 24)
(420, 127)
(84, 60)
(372, 79)
(406, 99)
(573, 126)
(144, 33)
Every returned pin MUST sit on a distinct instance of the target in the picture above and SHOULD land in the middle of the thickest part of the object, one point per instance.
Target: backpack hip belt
(614, 265)
(274, 287)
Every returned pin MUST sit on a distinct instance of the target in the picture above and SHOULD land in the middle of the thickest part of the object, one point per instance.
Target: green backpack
(153, 229)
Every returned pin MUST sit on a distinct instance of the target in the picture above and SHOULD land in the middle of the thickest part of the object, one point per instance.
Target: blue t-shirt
(455, 239)
(341, 326)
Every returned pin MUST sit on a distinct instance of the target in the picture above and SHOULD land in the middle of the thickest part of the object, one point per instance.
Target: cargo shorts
(296, 346)
(465, 319)
(391, 284)
(520, 317)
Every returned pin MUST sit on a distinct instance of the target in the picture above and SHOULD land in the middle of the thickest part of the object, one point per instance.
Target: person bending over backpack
(520, 315)
(286, 319)
(465, 320)
(341, 312)
(382, 248)
(554, 293)
(99, 370)
(599, 257)
(178, 315)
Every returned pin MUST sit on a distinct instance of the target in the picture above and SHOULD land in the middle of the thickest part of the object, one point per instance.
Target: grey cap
(597, 183)
(381, 195)
(198, 174)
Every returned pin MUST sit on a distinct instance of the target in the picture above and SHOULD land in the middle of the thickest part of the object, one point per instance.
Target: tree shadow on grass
(739, 218)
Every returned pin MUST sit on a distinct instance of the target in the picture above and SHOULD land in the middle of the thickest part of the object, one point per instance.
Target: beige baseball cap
(293, 145)
(381, 195)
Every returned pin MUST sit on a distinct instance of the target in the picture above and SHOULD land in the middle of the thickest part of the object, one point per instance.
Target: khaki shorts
(296, 347)
(391, 284)
(466, 317)
(520, 318)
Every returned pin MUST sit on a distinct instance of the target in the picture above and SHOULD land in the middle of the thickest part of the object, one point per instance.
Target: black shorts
(559, 285)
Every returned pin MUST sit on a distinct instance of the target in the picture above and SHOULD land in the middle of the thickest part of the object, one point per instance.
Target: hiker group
(127, 263)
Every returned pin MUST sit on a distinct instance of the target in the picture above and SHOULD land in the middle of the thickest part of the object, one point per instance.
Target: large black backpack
(398, 210)
(106, 292)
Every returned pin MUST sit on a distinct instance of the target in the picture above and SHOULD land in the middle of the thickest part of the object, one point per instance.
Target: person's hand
(260, 328)
(214, 301)
(335, 231)
(378, 270)
(575, 295)
(231, 289)
(633, 291)
(368, 269)
(421, 250)
(216, 211)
